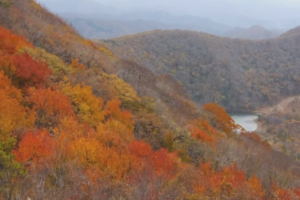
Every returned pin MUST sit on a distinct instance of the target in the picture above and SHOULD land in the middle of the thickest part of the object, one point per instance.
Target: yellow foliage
(106, 51)
(90, 152)
(86, 150)
(12, 114)
(115, 126)
(87, 106)
(120, 88)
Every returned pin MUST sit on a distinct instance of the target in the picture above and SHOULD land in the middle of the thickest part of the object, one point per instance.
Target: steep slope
(240, 75)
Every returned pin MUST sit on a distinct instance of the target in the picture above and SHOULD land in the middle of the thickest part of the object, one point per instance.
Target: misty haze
(230, 18)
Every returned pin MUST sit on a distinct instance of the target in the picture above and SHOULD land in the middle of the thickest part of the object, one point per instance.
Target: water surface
(246, 121)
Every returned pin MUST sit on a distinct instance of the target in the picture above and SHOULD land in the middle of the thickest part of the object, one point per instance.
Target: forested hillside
(280, 126)
(78, 122)
(241, 75)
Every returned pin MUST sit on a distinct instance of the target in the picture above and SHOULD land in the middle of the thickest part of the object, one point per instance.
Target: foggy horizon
(244, 13)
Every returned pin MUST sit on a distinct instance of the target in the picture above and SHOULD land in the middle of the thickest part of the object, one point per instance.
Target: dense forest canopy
(241, 75)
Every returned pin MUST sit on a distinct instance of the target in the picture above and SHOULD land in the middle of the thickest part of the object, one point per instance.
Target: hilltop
(252, 33)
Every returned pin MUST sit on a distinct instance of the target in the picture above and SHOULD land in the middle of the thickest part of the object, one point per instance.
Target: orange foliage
(203, 131)
(50, 101)
(93, 153)
(13, 115)
(164, 163)
(117, 127)
(140, 149)
(204, 125)
(225, 181)
(117, 121)
(76, 65)
(70, 128)
(255, 187)
(86, 150)
(6, 64)
(233, 175)
(140, 153)
(220, 118)
(10, 42)
(199, 134)
(297, 192)
(113, 110)
(86, 105)
(284, 194)
(7, 87)
(35, 149)
(30, 72)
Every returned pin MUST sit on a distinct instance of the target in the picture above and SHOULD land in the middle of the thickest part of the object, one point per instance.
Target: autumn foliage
(58, 138)
(35, 149)
(11, 42)
(219, 118)
(30, 72)
(201, 130)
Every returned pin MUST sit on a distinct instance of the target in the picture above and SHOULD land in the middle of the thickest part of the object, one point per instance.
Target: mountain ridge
(254, 32)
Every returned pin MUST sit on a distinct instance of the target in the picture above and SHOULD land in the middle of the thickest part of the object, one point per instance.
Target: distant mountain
(252, 33)
(106, 26)
(111, 28)
(106, 29)
(102, 25)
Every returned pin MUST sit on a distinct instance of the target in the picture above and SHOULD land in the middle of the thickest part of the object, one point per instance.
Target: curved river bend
(247, 121)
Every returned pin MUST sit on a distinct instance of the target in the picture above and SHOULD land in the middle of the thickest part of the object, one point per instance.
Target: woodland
(240, 75)
(79, 120)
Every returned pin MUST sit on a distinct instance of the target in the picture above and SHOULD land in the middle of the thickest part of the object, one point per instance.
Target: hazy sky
(232, 12)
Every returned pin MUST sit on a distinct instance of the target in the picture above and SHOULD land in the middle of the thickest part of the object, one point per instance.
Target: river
(246, 121)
